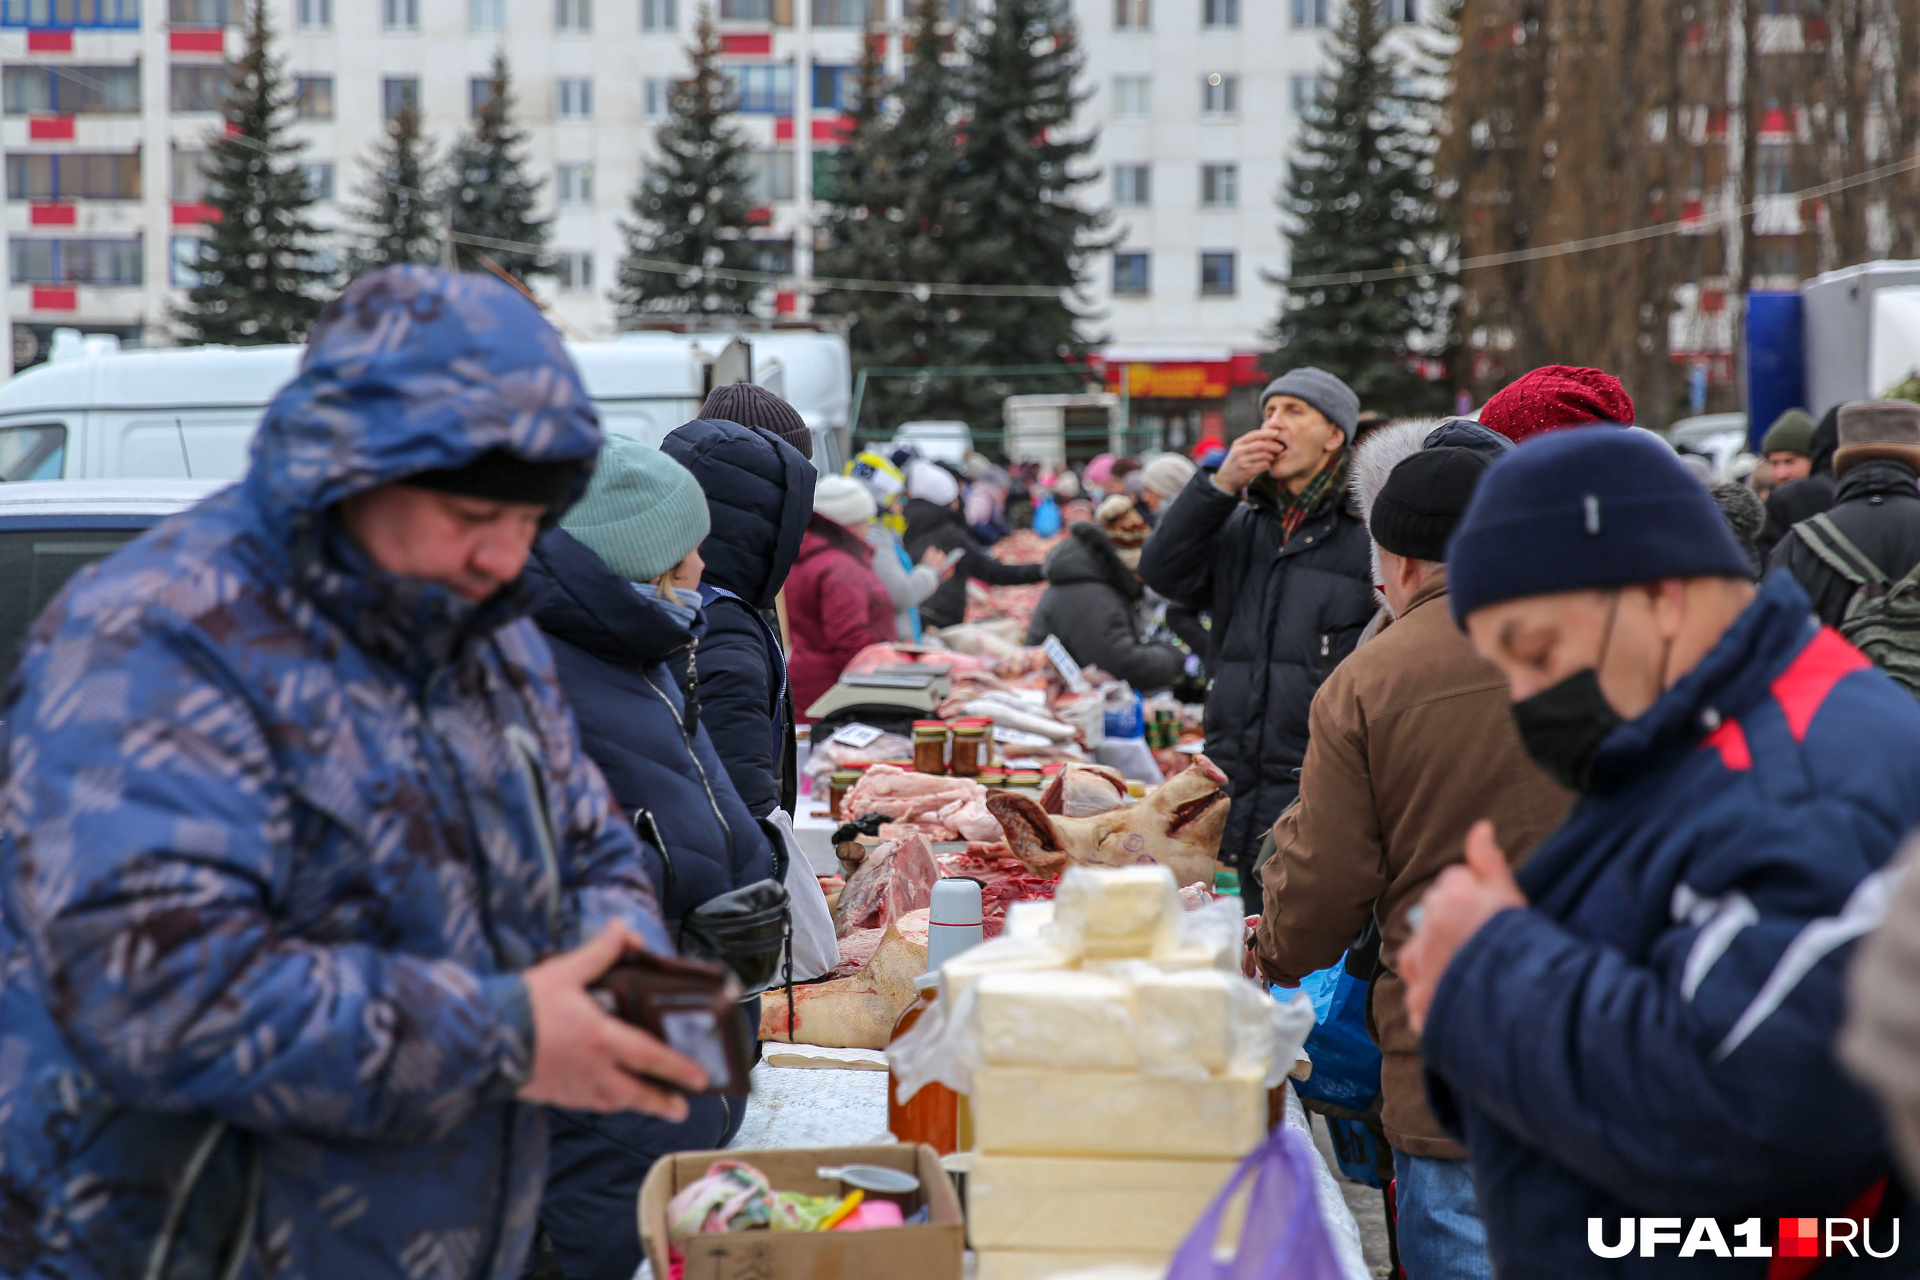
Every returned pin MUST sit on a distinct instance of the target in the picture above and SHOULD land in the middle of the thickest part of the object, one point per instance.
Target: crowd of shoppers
(325, 801)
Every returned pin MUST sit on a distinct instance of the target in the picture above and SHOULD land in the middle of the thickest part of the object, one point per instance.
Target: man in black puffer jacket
(1288, 576)
(760, 495)
(1876, 506)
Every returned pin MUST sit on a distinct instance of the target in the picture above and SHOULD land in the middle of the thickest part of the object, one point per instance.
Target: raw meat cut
(858, 947)
(905, 796)
(856, 1012)
(1003, 879)
(894, 878)
(932, 831)
(1178, 826)
(1082, 790)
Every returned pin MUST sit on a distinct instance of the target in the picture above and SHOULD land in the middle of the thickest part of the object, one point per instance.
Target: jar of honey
(936, 1115)
(929, 746)
(838, 785)
(969, 749)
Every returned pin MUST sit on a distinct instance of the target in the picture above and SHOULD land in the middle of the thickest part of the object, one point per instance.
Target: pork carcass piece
(905, 796)
(895, 877)
(1082, 790)
(1178, 826)
(856, 1012)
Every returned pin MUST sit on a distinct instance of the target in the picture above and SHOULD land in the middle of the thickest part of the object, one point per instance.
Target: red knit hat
(1555, 396)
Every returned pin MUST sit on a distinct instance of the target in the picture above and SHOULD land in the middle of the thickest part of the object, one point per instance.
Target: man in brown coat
(1411, 742)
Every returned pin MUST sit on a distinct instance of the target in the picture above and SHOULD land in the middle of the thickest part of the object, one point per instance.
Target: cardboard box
(997, 1264)
(931, 1252)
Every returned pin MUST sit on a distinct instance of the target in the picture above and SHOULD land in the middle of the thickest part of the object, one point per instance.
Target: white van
(94, 413)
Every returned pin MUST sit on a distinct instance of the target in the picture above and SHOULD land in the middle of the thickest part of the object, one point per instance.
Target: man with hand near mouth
(1285, 570)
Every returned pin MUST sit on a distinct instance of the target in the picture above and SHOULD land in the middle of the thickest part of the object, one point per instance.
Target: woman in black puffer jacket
(618, 602)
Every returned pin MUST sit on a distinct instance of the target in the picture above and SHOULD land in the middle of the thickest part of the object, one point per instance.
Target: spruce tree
(693, 205)
(1360, 198)
(397, 217)
(1016, 219)
(259, 280)
(488, 193)
(889, 219)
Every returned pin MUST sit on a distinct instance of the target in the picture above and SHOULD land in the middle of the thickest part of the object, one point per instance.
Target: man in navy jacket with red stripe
(1640, 1024)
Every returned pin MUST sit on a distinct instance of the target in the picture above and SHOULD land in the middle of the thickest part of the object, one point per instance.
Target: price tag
(857, 735)
(1063, 663)
(1019, 738)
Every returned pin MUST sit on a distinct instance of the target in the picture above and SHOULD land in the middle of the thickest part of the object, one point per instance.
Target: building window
(313, 97)
(196, 13)
(313, 13)
(574, 272)
(399, 93)
(1221, 13)
(826, 173)
(1220, 95)
(656, 92)
(835, 88)
(319, 179)
(400, 15)
(1216, 275)
(1776, 259)
(1219, 185)
(575, 16)
(82, 176)
(1309, 13)
(185, 272)
(479, 94)
(573, 185)
(486, 15)
(1132, 184)
(189, 177)
(72, 90)
(1133, 15)
(762, 88)
(69, 13)
(1309, 92)
(746, 10)
(847, 13)
(659, 15)
(197, 88)
(1773, 172)
(1403, 11)
(769, 177)
(100, 262)
(1132, 273)
(573, 98)
(1132, 96)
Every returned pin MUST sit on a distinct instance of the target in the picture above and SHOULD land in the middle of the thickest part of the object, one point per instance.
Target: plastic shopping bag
(1285, 1238)
(815, 947)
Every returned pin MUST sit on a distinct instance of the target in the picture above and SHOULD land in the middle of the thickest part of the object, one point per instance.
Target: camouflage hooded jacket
(277, 833)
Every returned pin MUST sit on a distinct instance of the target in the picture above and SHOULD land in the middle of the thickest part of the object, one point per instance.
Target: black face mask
(1562, 727)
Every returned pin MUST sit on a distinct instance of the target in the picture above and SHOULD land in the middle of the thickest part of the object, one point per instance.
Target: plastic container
(838, 785)
(930, 746)
(954, 920)
(1226, 884)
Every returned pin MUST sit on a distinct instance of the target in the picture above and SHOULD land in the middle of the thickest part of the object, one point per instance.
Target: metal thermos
(954, 922)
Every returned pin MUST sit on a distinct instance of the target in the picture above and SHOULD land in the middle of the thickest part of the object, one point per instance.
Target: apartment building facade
(109, 106)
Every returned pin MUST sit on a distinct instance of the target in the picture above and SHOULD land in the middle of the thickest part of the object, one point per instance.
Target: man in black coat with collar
(1285, 570)
(1876, 505)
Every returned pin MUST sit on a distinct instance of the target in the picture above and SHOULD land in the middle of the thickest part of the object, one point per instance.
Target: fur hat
(1124, 528)
(1883, 429)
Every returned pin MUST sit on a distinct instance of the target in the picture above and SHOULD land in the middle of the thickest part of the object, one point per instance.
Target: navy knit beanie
(1586, 510)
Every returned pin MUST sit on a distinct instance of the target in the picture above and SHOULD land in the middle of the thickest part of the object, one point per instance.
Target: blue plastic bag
(1046, 516)
(1285, 1237)
(1346, 1065)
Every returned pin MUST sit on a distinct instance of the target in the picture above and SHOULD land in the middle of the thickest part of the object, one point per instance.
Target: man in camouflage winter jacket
(296, 831)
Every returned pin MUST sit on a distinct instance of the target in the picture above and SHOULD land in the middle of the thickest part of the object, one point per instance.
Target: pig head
(1178, 826)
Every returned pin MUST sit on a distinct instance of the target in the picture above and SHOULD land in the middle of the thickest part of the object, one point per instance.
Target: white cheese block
(1056, 1202)
(1186, 1019)
(999, 956)
(1117, 911)
(1059, 1018)
(1040, 1111)
(1035, 1264)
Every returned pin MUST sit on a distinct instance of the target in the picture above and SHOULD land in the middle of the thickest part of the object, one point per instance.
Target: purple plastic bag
(1285, 1238)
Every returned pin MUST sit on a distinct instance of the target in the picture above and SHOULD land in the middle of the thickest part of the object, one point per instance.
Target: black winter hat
(1423, 499)
(752, 405)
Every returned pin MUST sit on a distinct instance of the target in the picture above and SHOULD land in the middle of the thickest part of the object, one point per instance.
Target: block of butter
(1117, 911)
(967, 968)
(1054, 1018)
(1041, 1111)
(1076, 1203)
(1036, 1264)
(1186, 1019)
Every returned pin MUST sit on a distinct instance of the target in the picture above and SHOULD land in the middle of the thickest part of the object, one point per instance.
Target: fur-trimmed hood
(1089, 556)
(1375, 457)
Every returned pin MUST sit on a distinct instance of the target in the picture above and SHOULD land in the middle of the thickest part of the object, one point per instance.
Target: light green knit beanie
(642, 513)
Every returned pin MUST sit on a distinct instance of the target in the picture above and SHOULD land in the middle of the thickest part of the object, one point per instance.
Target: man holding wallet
(303, 874)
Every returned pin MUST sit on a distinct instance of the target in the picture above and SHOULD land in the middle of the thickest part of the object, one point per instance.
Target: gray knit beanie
(643, 512)
(1323, 391)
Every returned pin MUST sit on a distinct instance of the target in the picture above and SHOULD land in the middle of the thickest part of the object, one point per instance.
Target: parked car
(938, 441)
(51, 531)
